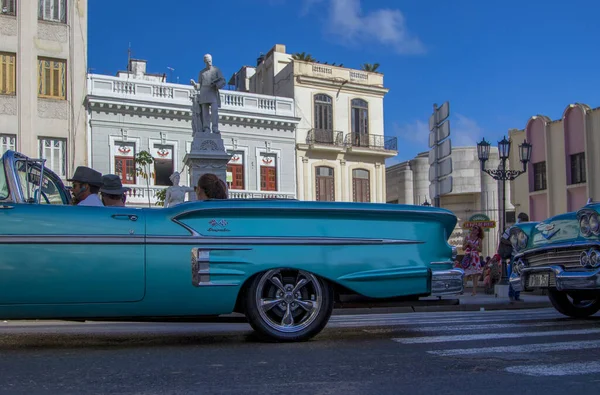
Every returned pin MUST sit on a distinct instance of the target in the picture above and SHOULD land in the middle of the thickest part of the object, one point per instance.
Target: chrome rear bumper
(559, 278)
(447, 282)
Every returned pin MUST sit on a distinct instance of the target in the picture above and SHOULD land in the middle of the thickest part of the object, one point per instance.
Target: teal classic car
(284, 264)
(562, 255)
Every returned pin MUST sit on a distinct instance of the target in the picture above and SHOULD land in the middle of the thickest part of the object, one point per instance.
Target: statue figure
(176, 194)
(207, 98)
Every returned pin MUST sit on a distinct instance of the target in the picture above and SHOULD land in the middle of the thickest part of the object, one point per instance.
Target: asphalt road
(491, 352)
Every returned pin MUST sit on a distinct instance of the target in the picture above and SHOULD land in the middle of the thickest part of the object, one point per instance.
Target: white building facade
(136, 111)
(43, 51)
(475, 196)
(340, 143)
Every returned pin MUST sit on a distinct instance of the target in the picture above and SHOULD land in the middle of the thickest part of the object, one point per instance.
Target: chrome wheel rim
(288, 300)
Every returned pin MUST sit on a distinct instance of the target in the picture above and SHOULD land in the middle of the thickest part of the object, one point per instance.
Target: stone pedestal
(207, 155)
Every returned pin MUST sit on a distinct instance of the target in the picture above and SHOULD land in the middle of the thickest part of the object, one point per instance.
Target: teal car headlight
(518, 239)
(594, 224)
(584, 226)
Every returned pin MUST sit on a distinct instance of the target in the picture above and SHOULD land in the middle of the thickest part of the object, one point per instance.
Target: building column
(378, 183)
(344, 181)
(306, 179)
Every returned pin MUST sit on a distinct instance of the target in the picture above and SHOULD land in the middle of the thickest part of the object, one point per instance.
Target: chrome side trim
(194, 240)
(362, 208)
(201, 270)
(292, 240)
(71, 239)
(188, 228)
(447, 282)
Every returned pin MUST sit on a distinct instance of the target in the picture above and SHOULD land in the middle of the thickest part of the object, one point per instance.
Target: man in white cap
(86, 185)
(113, 192)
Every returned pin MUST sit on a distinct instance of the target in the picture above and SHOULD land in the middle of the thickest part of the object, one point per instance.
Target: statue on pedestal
(206, 98)
(176, 194)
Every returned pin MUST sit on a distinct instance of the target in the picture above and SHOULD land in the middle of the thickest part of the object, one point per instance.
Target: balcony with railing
(325, 139)
(179, 96)
(319, 70)
(358, 141)
(142, 196)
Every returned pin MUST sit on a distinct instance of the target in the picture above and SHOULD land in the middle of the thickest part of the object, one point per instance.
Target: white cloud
(307, 5)
(464, 131)
(414, 137)
(416, 132)
(385, 26)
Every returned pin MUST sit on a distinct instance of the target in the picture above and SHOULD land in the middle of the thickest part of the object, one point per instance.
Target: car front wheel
(288, 305)
(573, 305)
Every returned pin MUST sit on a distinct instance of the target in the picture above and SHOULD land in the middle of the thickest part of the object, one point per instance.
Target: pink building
(560, 176)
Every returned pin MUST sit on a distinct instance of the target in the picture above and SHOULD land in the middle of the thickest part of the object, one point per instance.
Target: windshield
(29, 177)
(3, 183)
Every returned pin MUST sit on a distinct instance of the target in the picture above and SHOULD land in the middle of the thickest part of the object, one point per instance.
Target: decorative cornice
(226, 116)
(347, 85)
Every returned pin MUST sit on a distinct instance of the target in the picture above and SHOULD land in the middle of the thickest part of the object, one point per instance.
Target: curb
(460, 307)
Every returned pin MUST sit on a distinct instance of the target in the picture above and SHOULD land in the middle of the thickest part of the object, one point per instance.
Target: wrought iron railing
(327, 137)
(372, 141)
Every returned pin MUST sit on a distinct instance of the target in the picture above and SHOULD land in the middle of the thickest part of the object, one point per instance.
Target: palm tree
(303, 56)
(370, 67)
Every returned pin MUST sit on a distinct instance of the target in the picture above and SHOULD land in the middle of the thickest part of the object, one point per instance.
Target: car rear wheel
(573, 305)
(287, 305)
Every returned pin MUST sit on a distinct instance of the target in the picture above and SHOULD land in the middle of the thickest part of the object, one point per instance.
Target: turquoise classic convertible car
(283, 264)
(562, 255)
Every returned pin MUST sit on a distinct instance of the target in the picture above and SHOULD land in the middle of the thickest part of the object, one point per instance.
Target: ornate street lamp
(502, 174)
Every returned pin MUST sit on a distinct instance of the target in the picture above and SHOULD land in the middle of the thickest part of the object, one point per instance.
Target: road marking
(450, 328)
(565, 369)
(525, 348)
(489, 336)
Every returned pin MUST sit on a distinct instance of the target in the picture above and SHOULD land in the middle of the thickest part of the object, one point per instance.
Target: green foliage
(370, 67)
(303, 56)
(143, 160)
(160, 197)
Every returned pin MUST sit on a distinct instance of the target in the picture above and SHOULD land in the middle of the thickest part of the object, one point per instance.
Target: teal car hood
(558, 229)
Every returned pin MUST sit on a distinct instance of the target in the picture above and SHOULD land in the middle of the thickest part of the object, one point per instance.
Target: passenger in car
(86, 185)
(211, 187)
(113, 191)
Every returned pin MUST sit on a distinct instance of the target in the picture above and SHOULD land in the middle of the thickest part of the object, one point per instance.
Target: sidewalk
(466, 302)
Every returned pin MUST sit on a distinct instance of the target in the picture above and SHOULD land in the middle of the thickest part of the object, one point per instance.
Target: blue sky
(498, 63)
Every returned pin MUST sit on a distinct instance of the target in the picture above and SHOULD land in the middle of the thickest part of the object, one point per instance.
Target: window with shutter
(361, 188)
(8, 7)
(8, 142)
(52, 75)
(8, 76)
(53, 10)
(55, 152)
(325, 184)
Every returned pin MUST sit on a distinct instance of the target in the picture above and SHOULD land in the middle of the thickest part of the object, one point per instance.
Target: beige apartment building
(565, 152)
(43, 52)
(340, 142)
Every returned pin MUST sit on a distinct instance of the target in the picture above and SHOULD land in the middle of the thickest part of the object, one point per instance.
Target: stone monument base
(207, 155)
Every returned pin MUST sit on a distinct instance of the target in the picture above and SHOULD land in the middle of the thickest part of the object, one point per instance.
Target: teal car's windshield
(29, 177)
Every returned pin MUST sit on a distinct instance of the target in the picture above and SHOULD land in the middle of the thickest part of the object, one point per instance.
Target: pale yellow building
(565, 152)
(340, 143)
(43, 55)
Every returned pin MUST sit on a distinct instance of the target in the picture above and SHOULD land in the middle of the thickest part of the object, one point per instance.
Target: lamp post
(503, 174)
